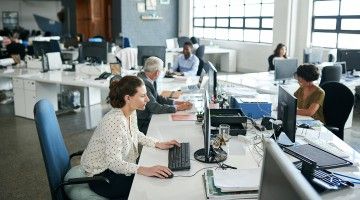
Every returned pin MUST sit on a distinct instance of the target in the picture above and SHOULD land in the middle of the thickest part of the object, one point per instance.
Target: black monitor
(313, 55)
(145, 52)
(351, 57)
(43, 47)
(285, 69)
(212, 83)
(208, 154)
(280, 179)
(287, 106)
(94, 52)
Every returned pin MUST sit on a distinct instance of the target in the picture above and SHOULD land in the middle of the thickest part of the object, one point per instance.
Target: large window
(336, 24)
(242, 20)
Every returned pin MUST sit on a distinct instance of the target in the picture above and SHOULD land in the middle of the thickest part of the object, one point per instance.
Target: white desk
(241, 155)
(263, 82)
(223, 59)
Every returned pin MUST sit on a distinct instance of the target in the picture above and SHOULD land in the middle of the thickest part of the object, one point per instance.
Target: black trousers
(143, 125)
(118, 188)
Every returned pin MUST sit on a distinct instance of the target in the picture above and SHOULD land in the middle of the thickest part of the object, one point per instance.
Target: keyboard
(326, 179)
(179, 157)
(324, 145)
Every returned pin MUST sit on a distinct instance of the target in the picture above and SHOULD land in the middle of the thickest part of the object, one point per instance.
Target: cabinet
(28, 92)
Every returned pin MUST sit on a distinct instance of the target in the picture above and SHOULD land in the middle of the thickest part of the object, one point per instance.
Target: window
(336, 23)
(241, 20)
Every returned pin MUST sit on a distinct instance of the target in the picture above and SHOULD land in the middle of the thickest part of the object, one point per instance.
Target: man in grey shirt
(157, 104)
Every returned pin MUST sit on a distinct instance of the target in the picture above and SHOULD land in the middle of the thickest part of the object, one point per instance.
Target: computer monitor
(287, 106)
(313, 55)
(351, 57)
(280, 179)
(208, 154)
(285, 69)
(145, 52)
(94, 52)
(43, 47)
(212, 82)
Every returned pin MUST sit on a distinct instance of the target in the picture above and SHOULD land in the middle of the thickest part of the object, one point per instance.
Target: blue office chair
(182, 40)
(126, 42)
(65, 182)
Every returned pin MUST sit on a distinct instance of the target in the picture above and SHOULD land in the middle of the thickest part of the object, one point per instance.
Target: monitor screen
(279, 177)
(351, 57)
(94, 52)
(43, 47)
(145, 52)
(313, 55)
(212, 82)
(285, 68)
(287, 106)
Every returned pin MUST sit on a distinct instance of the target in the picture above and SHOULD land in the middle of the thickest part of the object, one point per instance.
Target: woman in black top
(279, 52)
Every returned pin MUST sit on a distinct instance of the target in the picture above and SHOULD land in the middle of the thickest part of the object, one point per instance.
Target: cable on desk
(188, 176)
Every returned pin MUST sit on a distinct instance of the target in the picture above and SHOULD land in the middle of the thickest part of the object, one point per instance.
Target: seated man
(187, 63)
(157, 104)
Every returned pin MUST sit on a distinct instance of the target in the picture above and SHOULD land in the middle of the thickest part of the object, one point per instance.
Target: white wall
(27, 8)
(291, 26)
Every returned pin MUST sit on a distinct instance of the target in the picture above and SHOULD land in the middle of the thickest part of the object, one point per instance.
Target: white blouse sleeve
(115, 142)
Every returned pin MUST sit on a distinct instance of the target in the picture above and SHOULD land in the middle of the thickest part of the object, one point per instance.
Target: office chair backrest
(55, 154)
(200, 52)
(182, 40)
(330, 73)
(126, 42)
(338, 103)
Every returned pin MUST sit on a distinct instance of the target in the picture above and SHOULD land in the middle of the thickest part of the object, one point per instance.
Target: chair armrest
(79, 153)
(82, 180)
(332, 128)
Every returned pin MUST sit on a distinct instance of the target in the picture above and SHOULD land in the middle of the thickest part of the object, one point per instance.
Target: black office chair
(338, 103)
(182, 40)
(16, 49)
(330, 73)
(65, 182)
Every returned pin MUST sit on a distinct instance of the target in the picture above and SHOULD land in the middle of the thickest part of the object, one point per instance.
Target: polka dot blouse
(114, 146)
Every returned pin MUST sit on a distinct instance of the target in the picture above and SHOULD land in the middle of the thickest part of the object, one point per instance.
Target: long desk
(224, 59)
(263, 82)
(241, 155)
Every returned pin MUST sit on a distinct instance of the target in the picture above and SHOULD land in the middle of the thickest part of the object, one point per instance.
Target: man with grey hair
(157, 104)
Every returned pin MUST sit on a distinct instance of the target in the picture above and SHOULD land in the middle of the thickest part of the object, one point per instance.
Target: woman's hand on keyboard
(167, 145)
(157, 171)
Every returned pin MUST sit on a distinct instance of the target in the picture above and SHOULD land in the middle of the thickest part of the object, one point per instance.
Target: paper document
(183, 117)
(237, 180)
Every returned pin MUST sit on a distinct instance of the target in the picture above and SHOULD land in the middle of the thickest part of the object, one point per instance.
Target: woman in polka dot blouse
(113, 148)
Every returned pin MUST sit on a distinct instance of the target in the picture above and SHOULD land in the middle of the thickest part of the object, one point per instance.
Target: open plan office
(170, 99)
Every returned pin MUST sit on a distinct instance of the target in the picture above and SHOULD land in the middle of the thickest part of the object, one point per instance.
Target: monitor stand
(282, 82)
(215, 156)
(283, 140)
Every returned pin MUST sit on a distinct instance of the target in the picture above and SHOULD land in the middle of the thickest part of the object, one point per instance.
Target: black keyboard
(326, 179)
(179, 157)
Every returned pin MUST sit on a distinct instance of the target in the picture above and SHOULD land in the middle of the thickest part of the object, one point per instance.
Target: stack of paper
(237, 180)
(213, 192)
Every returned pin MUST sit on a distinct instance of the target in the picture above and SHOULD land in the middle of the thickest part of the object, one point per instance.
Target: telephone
(104, 75)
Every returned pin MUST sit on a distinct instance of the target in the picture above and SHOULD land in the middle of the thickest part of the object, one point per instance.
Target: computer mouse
(170, 176)
(307, 126)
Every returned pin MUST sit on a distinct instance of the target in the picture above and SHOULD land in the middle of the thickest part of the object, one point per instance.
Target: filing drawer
(18, 83)
(29, 85)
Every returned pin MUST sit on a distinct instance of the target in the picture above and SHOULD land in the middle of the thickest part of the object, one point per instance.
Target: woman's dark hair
(120, 88)
(278, 48)
(308, 72)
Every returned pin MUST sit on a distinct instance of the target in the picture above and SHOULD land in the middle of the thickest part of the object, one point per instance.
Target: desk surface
(241, 155)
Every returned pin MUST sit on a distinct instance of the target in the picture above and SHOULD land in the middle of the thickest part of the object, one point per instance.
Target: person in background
(157, 104)
(187, 63)
(113, 148)
(279, 53)
(195, 43)
(310, 96)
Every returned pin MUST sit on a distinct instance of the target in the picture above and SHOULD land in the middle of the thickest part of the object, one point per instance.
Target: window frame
(228, 27)
(337, 29)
